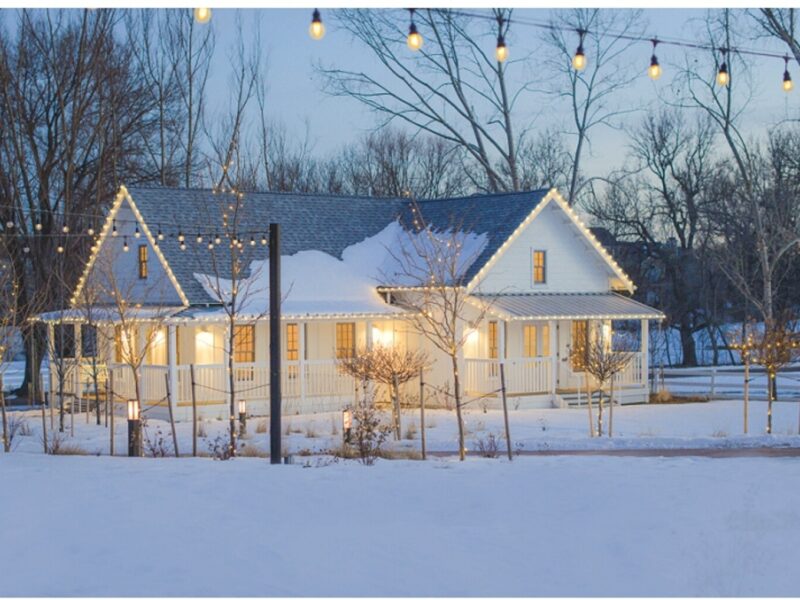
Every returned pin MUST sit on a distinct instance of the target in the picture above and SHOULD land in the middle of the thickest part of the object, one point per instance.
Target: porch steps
(575, 400)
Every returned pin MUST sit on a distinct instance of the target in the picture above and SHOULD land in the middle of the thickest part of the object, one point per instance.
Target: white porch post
(141, 332)
(645, 350)
(78, 356)
(552, 327)
(502, 354)
(172, 364)
(227, 357)
(301, 355)
(369, 339)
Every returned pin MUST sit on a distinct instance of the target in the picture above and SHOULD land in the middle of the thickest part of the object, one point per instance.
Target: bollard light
(347, 424)
(242, 416)
(134, 428)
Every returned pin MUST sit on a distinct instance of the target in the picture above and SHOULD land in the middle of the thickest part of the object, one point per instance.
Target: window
(345, 340)
(292, 341)
(89, 340)
(580, 344)
(493, 340)
(244, 343)
(539, 267)
(529, 341)
(124, 344)
(143, 261)
(64, 340)
(545, 348)
(157, 346)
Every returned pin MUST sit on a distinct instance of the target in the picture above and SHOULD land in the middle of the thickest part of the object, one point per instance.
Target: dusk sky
(296, 96)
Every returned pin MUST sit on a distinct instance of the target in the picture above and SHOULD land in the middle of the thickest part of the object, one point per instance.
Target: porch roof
(516, 307)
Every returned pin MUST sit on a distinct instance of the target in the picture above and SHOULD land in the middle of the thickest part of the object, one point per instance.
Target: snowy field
(537, 526)
(715, 424)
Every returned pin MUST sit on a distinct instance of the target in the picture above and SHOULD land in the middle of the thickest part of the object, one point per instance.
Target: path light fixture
(242, 416)
(347, 424)
(134, 428)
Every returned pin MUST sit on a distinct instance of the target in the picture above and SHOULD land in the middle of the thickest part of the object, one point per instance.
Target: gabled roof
(325, 223)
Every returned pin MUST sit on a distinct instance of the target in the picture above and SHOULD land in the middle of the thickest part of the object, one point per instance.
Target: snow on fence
(724, 382)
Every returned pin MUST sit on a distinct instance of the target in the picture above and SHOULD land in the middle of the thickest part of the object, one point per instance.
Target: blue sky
(296, 97)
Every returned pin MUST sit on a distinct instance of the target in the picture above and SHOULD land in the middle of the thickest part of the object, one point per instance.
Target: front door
(572, 339)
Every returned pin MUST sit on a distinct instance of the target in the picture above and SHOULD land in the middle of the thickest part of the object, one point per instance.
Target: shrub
(368, 433)
(156, 447)
(57, 444)
(487, 446)
(261, 427)
(220, 447)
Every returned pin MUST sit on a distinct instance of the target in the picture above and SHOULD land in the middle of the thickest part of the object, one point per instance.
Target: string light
(125, 244)
(160, 235)
(90, 231)
(202, 15)
(501, 51)
(579, 60)
(263, 240)
(723, 77)
(788, 85)
(316, 30)
(38, 225)
(114, 232)
(10, 225)
(654, 71)
(217, 239)
(137, 234)
(414, 40)
(199, 239)
(65, 229)
(60, 249)
(181, 237)
(252, 241)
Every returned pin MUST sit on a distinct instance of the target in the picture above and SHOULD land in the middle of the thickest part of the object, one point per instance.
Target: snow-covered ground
(550, 526)
(696, 425)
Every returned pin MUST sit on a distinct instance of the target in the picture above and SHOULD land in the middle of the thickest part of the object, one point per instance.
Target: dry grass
(311, 431)
(411, 431)
(719, 433)
(665, 397)
(261, 427)
(252, 452)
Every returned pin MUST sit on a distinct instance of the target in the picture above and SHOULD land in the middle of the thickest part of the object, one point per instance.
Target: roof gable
(324, 223)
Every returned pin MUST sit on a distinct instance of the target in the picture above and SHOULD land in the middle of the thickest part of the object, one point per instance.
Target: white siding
(573, 264)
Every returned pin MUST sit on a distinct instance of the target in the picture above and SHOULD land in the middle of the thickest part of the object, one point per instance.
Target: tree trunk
(589, 404)
(770, 398)
(232, 384)
(457, 396)
(600, 411)
(611, 408)
(746, 392)
(687, 346)
(6, 441)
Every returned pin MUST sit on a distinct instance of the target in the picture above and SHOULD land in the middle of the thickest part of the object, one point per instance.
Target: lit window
(244, 343)
(345, 340)
(143, 262)
(493, 340)
(292, 341)
(580, 344)
(124, 344)
(529, 341)
(545, 349)
(539, 267)
(157, 349)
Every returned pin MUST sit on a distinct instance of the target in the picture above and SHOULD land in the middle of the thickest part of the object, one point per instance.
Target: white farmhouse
(541, 281)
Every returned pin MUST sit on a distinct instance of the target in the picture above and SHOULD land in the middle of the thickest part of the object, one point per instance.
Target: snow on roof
(315, 283)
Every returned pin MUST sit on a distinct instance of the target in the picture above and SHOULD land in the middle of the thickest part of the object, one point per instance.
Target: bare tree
(663, 203)
(452, 88)
(783, 24)
(591, 91)
(389, 366)
(433, 262)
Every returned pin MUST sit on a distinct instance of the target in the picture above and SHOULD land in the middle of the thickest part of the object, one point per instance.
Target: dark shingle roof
(322, 222)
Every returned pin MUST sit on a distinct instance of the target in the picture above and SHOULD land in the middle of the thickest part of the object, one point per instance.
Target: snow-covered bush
(369, 432)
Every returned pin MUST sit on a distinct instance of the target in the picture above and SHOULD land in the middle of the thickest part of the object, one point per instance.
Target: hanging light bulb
(199, 239)
(114, 232)
(217, 240)
(181, 238)
(202, 15)
(65, 228)
(137, 234)
(723, 77)
(316, 30)
(414, 39)
(263, 240)
(654, 70)
(579, 60)
(210, 245)
(9, 224)
(501, 52)
(183, 245)
(125, 244)
(160, 235)
(26, 249)
(90, 231)
(38, 225)
(60, 249)
(788, 85)
(252, 241)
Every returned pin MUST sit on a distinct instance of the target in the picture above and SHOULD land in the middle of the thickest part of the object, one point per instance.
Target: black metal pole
(274, 344)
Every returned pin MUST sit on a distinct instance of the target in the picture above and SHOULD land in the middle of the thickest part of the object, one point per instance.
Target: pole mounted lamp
(347, 424)
(134, 428)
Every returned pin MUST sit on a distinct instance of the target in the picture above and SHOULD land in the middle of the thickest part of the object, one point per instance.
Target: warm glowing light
(501, 52)
(242, 406)
(414, 39)
(133, 410)
(202, 15)
(723, 78)
(579, 60)
(788, 85)
(316, 30)
(654, 70)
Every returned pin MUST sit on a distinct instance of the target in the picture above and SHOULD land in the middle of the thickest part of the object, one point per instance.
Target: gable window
(539, 266)
(244, 343)
(64, 340)
(143, 261)
(345, 340)
(580, 344)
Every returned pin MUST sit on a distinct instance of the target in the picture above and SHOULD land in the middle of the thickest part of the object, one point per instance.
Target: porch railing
(523, 375)
(631, 375)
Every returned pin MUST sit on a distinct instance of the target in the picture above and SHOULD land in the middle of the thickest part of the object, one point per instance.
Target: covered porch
(538, 339)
